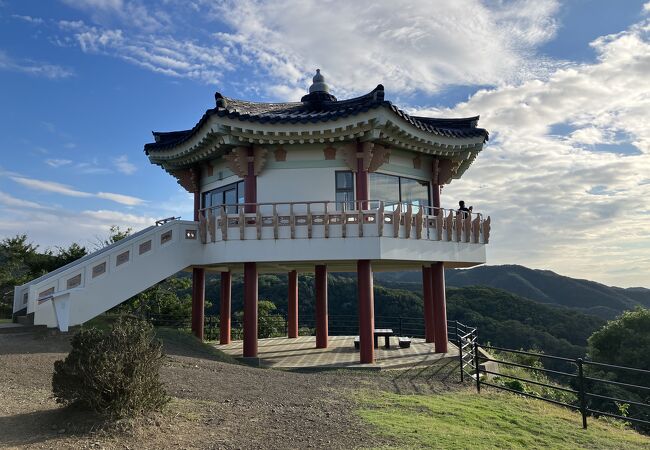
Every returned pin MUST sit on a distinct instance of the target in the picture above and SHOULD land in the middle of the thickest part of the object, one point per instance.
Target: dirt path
(215, 404)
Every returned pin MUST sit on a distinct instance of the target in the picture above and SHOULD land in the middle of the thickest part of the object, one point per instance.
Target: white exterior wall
(306, 175)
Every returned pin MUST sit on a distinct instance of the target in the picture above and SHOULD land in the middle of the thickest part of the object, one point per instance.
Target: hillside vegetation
(542, 286)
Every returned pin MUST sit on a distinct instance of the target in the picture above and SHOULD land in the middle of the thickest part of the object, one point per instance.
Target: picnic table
(386, 333)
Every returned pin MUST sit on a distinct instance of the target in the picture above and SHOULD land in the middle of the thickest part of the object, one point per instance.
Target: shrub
(113, 372)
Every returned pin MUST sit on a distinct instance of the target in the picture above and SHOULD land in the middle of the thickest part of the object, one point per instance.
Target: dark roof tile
(314, 109)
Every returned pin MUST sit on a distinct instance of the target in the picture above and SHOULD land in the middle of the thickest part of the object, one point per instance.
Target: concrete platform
(301, 353)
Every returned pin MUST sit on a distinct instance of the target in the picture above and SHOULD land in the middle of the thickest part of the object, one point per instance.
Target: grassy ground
(489, 420)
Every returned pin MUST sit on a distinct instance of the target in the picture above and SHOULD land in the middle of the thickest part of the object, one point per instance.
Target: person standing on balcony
(463, 211)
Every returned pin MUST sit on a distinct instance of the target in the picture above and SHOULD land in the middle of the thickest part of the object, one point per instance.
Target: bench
(356, 342)
(404, 342)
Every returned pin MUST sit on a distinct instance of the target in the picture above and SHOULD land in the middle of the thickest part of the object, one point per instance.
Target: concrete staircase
(83, 289)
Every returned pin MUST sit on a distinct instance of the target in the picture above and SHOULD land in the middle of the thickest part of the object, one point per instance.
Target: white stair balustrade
(83, 289)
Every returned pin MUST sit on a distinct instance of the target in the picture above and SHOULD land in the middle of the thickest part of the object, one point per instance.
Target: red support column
(321, 306)
(362, 181)
(198, 301)
(250, 309)
(427, 301)
(435, 197)
(224, 311)
(366, 312)
(250, 183)
(292, 305)
(439, 306)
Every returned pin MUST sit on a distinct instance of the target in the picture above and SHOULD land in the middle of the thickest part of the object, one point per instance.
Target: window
(231, 194)
(344, 190)
(99, 269)
(144, 247)
(394, 190)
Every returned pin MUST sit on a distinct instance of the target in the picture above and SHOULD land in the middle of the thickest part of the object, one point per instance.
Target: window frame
(338, 190)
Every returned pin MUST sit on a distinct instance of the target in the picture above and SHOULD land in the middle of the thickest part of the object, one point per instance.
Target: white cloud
(409, 46)
(53, 162)
(9, 200)
(124, 166)
(564, 203)
(29, 19)
(35, 68)
(646, 7)
(133, 13)
(50, 186)
(83, 228)
(159, 53)
(58, 188)
(120, 198)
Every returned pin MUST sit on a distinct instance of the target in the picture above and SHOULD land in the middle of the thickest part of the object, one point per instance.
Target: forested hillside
(504, 319)
(542, 286)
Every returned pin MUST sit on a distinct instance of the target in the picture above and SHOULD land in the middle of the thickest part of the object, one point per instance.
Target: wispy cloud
(50, 186)
(57, 162)
(34, 68)
(29, 19)
(11, 201)
(58, 188)
(400, 43)
(119, 198)
(124, 166)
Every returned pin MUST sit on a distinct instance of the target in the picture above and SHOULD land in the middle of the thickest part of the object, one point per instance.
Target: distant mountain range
(543, 286)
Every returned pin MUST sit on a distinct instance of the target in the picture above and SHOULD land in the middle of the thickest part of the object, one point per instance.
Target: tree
(624, 341)
(70, 254)
(115, 234)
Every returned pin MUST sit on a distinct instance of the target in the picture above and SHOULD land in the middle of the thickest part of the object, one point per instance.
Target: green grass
(489, 421)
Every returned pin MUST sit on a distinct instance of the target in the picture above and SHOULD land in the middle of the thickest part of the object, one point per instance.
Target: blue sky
(562, 87)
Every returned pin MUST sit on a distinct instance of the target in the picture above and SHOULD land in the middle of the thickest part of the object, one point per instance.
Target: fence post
(581, 390)
(400, 326)
(460, 353)
(478, 370)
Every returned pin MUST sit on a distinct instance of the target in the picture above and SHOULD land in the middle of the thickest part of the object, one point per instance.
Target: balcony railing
(328, 219)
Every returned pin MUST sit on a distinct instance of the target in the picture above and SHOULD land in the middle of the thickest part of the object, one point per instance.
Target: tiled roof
(315, 108)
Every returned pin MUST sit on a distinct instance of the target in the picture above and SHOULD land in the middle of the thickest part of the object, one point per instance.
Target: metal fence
(584, 383)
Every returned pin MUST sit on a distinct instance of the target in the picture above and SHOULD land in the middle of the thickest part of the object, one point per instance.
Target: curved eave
(379, 124)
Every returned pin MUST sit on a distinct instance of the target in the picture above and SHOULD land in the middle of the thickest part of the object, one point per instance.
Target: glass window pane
(384, 187)
(216, 198)
(206, 200)
(415, 192)
(240, 192)
(344, 198)
(344, 180)
(230, 199)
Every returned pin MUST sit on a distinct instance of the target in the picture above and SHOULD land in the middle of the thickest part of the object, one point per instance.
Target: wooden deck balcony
(327, 219)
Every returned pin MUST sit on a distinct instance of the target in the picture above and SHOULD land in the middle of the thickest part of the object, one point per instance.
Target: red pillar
(366, 312)
(224, 311)
(250, 183)
(292, 307)
(435, 197)
(362, 181)
(427, 301)
(250, 309)
(439, 306)
(321, 306)
(198, 301)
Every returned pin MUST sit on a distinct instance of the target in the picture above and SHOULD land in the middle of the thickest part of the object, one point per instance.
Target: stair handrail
(94, 254)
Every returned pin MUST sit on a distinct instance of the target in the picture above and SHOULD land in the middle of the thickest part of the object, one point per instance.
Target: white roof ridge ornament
(319, 84)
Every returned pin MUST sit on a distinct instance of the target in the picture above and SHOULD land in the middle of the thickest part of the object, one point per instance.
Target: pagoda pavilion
(311, 186)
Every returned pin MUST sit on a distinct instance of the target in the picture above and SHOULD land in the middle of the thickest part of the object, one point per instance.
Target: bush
(115, 372)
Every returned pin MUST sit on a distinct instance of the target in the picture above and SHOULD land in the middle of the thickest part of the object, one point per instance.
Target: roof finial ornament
(319, 91)
(319, 84)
